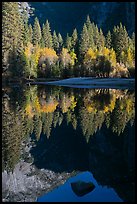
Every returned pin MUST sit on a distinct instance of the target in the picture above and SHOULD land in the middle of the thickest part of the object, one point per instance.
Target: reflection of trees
(115, 107)
(110, 158)
(123, 112)
(47, 119)
(91, 109)
(90, 122)
(12, 134)
(37, 111)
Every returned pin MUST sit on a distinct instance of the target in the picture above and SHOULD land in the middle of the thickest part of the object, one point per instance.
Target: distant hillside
(64, 16)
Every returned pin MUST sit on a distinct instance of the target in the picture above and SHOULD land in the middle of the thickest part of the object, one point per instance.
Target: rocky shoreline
(27, 183)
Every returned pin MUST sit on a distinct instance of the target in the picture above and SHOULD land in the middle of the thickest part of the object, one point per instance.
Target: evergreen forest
(31, 51)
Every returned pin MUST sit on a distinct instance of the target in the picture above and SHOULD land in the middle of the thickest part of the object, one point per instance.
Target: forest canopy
(33, 51)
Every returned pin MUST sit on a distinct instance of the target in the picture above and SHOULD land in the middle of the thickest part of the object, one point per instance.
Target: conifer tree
(60, 40)
(90, 32)
(55, 41)
(68, 44)
(12, 35)
(47, 36)
(25, 14)
(74, 39)
(88, 23)
(133, 39)
(36, 32)
(101, 40)
(30, 33)
(84, 41)
(95, 35)
(133, 47)
(108, 40)
(120, 40)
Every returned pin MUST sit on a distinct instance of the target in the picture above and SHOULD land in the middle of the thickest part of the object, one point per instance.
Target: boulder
(80, 188)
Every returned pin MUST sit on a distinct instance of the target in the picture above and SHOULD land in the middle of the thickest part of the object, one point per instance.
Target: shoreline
(88, 82)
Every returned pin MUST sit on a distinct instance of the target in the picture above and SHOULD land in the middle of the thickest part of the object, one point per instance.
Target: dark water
(51, 134)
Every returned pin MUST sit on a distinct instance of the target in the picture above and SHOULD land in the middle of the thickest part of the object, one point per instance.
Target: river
(52, 135)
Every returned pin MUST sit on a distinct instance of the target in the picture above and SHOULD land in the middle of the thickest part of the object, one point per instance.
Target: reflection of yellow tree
(98, 106)
(29, 111)
(111, 106)
(92, 105)
(68, 103)
(49, 107)
(32, 102)
(117, 110)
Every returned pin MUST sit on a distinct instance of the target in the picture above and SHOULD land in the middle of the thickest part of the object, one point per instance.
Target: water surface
(51, 134)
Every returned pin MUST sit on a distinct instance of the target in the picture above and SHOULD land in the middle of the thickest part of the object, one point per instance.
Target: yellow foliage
(37, 105)
(91, 109)
(129, 105)
(48, 52)
(112, 103)
(112, 57)
(68, 103)
(129, 58)
(37, 53)
(91, 54)
(111, 106)
(28, 50)
(29, 111)
(105, 51)
(65, 57)
(73, 102)
(49, 107)
(73, 58)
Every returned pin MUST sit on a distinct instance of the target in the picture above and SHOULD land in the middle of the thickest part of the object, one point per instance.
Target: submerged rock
(81, 188)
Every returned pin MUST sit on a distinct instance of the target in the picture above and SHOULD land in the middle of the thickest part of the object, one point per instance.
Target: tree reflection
(72, 129)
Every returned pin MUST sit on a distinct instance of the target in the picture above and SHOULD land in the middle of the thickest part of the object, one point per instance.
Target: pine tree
(95, 35)
(133, 48)
(120, 40)
(25, 14)
(88, 23)
(12, 39)
(30, 33)
(55, 42)
(36, 32)
(68, 44)
(26, 34)
(60, 40)
(90, 32)
(133, 39)
(101, 40)
(74, 39)
(108, 40)
(84, 41)
(47, 36)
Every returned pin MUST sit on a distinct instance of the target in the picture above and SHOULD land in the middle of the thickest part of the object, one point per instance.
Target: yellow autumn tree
(29, 50)
(129, 61)
(112, 57)
(32, 54)
(91, 54)
(65, 57)
(73, 57)
(105, 52)
(47, 55)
